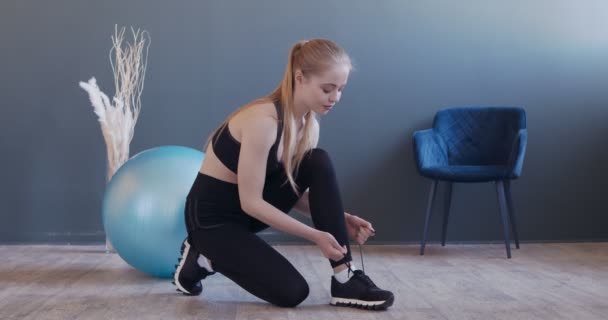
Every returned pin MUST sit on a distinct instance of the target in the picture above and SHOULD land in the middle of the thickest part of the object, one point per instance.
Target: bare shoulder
(258, 120)
(260, 109)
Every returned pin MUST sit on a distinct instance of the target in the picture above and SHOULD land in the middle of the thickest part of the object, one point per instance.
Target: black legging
(223, 233)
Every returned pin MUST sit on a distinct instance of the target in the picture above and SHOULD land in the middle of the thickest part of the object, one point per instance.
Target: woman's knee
(318, 159)
(296, 293)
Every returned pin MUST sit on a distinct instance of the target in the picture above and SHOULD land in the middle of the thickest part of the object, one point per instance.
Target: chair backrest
(479, 135)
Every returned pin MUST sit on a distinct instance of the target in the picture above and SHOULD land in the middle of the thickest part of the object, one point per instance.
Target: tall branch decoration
(119, 116)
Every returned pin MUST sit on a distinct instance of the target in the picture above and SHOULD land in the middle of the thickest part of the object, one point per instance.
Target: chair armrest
(429, 149)
(518, 152)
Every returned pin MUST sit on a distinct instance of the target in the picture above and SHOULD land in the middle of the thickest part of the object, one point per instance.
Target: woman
(262, 162)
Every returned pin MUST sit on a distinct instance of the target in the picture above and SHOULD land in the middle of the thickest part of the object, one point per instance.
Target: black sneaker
(360, 292)
(188, 274)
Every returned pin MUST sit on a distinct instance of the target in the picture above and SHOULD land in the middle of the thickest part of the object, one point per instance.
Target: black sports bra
(227, 148)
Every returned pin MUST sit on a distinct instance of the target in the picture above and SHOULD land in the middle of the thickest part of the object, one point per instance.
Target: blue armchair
(473, 144)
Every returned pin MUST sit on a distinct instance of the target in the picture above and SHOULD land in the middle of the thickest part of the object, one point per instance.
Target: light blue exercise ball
(143, 207)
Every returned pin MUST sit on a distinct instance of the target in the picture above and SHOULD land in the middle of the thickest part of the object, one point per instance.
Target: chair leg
(446, 212)
(511, 212)
(500, 190)
(429, 210)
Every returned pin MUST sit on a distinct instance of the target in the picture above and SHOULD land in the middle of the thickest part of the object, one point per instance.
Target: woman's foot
(360, 292)
(188, 273)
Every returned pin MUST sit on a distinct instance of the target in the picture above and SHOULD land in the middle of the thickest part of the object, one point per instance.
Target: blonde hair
(312, 57)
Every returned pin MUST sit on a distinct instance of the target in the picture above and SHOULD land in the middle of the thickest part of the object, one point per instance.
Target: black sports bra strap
(279, 121)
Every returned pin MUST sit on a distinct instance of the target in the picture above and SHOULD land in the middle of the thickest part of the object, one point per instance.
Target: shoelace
(361, 255)
(361, 276)
(350, 270)
(367, 280)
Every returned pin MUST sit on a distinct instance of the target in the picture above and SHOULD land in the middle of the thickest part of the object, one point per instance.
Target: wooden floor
(542, 281)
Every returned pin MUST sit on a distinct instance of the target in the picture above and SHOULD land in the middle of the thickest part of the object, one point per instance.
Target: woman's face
(321, 92)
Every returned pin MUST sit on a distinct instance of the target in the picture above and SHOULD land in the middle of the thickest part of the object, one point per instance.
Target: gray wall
(412, 58)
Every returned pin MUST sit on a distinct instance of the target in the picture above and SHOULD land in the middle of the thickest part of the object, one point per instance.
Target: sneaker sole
(184, 249)
(362, 304)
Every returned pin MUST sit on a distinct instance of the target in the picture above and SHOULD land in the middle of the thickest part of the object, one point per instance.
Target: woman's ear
(298, 76)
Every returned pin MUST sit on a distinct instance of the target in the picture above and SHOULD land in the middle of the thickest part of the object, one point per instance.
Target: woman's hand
(358, 229)
(329, 246)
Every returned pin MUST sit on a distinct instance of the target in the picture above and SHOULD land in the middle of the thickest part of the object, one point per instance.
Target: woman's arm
(257, 137)
(357, 228)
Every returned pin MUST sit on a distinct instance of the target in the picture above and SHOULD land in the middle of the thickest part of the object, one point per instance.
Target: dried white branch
(118, 119)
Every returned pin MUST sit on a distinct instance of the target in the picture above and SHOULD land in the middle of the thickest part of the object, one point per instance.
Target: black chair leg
(500, 190)
(511, 212)
(429, 210)
(446, 212)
